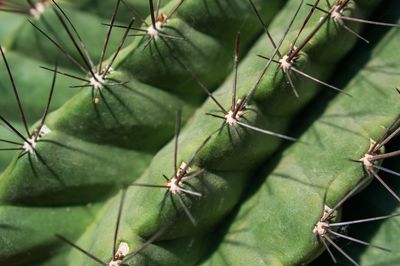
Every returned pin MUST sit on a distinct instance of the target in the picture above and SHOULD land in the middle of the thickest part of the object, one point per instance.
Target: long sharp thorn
(147, 185)
(177, 131)
(119, 48)
(355, 33)
(135, 13)
(21, 110)
(379, 218)
(194, 193)
(148, 242)
(137, 35)
(276, 51)
(386, 155)
(267, 58)
(387, 139)
(73, 60)
(76, 32)
(121, 207)
(46, 111)
(9, 141)
(235, 67)
(358, 241)
(291, 23)
(304, 25)
(370, 22)
(291, 83)
(83, 54)
(385, 185)
(81, 86)
(152, 15)
(315, 30)
(158, 8)
(196, 174)
(217, 116)
(264, 26)
(10, 149)
(341, 251)
(185, 208)
(190, 162)
(319, 81)
(108, 35)
(173, 11)
(328, 249)
(248, 96)
(306, 40)
(349, 194)
(13, 128)
(200, 83)
(81, 250)
(125, 27)
(386, 170)
(147, 43)
(170, 36)
(13, 10)
(22, 155)
(266, 132)
(354, 161)
(65, 74)
(318, 8)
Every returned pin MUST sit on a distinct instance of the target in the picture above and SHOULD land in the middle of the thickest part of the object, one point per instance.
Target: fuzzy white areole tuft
(367, 159)
(320, 229)
(173, 186)
(97, 82)
(285, 64)
(122, 252)
(336, 15)
(230, 119)
(155, 32)
(38, 10)
(31, 143)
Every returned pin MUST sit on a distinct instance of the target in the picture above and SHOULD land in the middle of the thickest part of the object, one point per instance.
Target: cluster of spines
(97, 80)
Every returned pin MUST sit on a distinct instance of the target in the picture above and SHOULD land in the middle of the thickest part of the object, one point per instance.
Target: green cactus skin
(155, 122)
(382, 233)
(280, 232)
(94, 149)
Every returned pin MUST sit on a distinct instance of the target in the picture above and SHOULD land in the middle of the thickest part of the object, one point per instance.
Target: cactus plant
(227, 189)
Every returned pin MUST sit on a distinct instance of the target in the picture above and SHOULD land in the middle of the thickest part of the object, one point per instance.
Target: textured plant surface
(250, 192)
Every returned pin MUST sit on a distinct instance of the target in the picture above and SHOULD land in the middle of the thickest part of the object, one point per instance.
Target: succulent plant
(214, 132)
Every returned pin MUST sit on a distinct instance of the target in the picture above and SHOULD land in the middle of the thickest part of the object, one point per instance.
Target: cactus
(190, 143)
